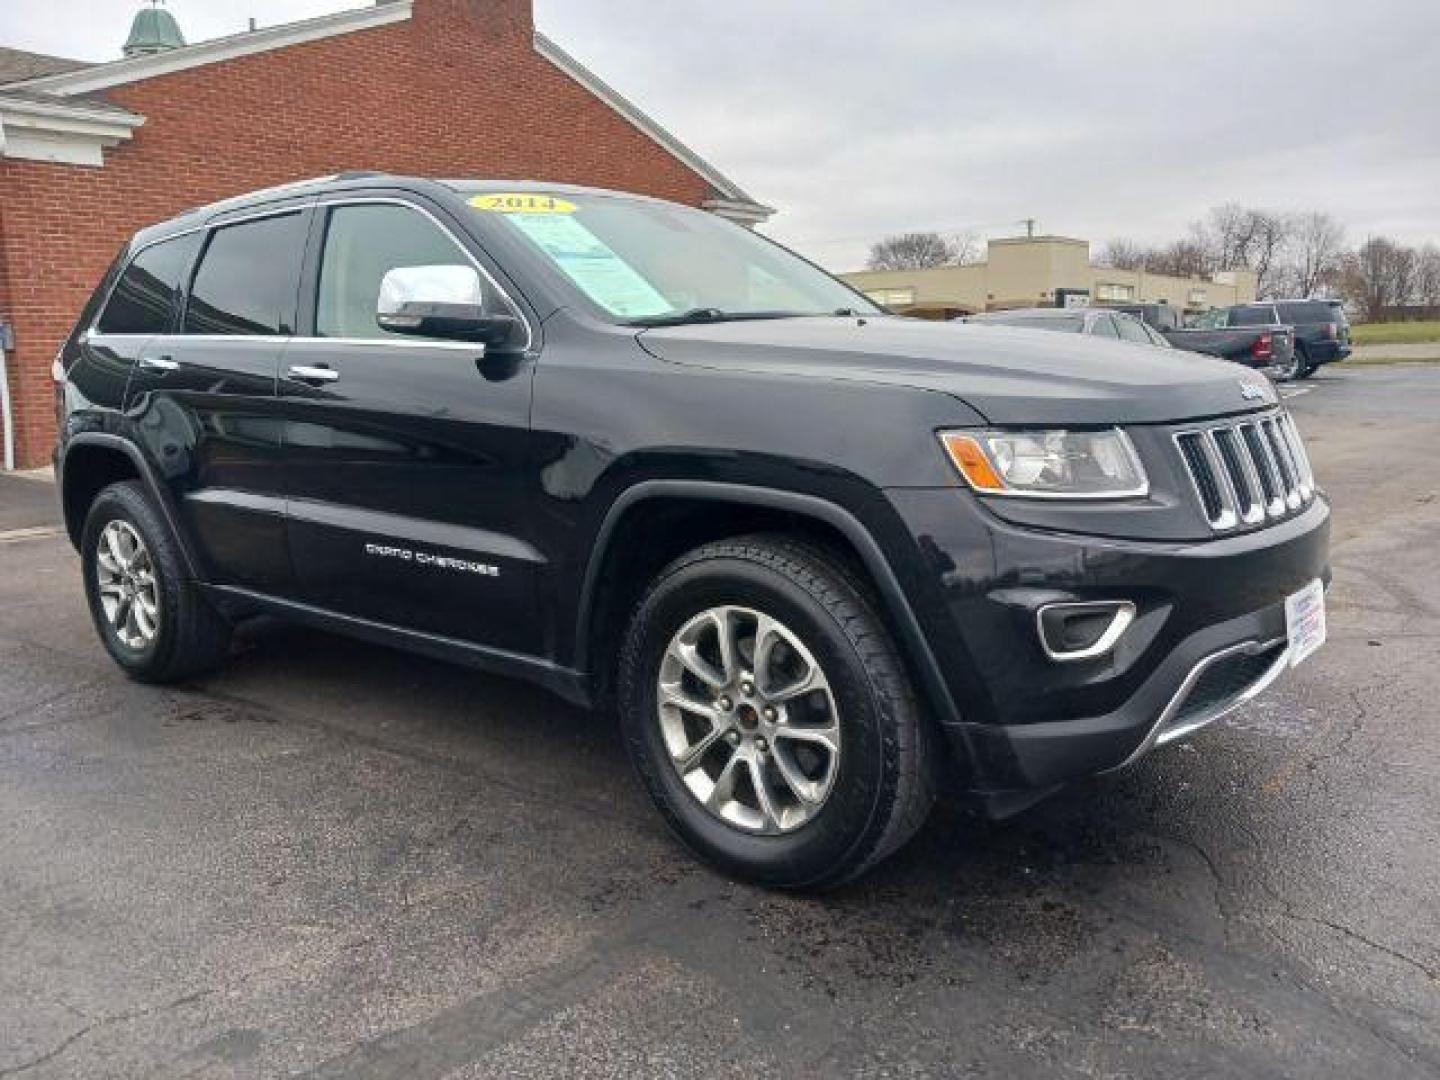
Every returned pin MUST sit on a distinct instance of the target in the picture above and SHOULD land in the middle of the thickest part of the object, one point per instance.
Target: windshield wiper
(710, 314)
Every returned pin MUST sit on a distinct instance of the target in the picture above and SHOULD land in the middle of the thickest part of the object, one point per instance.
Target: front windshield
(653, 262)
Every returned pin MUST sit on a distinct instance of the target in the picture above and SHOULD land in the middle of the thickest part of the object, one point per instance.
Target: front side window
(145, 296)
(638, 261)
(248, 278)
(363, 242)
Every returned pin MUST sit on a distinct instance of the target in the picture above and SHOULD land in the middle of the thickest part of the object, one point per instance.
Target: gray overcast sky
(1101, 119)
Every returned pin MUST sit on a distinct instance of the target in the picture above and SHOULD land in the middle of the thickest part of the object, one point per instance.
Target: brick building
(89, 153)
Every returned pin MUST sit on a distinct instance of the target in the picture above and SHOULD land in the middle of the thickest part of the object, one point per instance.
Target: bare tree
(1427, 276)
(1316, 248)
(1236, 237)
(966, 249)
(1123, 254)
(1377, 277)
(911, 251)
(1183, 258)
(1267, 243)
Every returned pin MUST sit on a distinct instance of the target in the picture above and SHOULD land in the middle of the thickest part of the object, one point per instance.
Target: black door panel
(210, 422)
(407, 500)
(406, 457)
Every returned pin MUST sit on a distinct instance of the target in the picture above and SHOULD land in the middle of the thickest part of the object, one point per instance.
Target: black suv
(1322, 332)
(819, 559)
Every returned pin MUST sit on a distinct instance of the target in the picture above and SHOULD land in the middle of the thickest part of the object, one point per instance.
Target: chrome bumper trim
(1161, 732)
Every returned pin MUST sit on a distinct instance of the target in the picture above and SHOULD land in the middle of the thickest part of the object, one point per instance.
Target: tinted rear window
(144, 297)
(248, 278)
(1311, 311)
(1252, 316)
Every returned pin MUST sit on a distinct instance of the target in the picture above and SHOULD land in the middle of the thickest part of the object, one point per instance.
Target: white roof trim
(60, 132)
(103, 76)
(631, 112)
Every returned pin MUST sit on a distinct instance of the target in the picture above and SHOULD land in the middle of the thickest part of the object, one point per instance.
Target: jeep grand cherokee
(819, 559)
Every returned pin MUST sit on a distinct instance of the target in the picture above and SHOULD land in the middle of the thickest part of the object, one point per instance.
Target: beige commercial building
(1042, 271)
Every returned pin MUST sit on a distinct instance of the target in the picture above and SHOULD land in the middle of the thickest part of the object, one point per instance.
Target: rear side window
(1312, 311)
(1252, 316)
(1103, 326)
(145, 296)
(248, 278)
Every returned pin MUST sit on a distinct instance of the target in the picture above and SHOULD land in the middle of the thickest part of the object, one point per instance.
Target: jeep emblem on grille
(1251, 391)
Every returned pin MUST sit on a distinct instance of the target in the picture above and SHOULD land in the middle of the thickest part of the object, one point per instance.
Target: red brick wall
(458, 90)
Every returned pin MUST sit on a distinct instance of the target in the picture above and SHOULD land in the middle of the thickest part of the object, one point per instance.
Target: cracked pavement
(332, 860)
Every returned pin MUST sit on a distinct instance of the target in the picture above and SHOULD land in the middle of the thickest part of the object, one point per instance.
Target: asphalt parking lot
(334, 860)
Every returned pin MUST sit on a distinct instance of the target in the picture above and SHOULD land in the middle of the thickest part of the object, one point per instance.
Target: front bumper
(1209, 632)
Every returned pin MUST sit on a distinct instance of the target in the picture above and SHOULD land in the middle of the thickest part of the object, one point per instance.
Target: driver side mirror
(440, 302)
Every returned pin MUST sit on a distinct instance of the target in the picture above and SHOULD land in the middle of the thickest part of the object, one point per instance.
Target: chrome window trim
(320, 201)
(388, 200)
(94, 328)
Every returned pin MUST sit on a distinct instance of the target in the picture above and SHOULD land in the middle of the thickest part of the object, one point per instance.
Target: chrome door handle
(159, 363)
(306, 373)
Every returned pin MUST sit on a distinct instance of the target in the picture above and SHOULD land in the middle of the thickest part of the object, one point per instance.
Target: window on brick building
(248, 278)
(144, 298)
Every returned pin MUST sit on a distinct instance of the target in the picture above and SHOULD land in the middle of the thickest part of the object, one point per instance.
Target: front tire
(769, 716)
(148, 613)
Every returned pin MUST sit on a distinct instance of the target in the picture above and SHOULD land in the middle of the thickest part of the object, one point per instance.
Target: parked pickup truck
(1268, 347)
(820, 561)
(1322, 333)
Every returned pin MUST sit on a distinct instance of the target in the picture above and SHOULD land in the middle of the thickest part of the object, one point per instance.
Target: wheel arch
(91, 462)
(608, 590)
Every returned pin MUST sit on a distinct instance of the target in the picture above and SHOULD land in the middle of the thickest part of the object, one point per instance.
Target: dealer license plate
(1305, 621)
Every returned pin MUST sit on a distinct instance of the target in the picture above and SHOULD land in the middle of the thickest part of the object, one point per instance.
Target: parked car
(1268, 348)
(1159, 316)
(820, 560)
(1095, 322)
(1322, 332)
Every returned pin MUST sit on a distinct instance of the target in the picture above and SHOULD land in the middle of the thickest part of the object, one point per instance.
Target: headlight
(1048, 464)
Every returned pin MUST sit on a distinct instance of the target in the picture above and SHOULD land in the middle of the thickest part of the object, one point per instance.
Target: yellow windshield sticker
(522, 202)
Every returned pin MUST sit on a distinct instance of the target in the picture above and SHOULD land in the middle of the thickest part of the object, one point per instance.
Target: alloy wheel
(125, 576)
(749, 720)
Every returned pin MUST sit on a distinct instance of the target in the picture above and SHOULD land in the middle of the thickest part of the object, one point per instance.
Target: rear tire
(1306, 367)
(150, 616)
(1291, 370)
(789, 815)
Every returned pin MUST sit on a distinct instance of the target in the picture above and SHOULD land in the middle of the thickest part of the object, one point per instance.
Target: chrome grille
(1248, 471)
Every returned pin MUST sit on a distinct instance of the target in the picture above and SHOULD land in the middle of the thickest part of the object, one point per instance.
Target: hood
(1008, 375)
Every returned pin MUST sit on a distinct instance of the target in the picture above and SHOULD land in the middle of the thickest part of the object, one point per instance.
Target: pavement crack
(103, 1022)
(1431, 973)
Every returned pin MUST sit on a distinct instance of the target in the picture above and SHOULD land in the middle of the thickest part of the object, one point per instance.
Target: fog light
(1083, 630)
